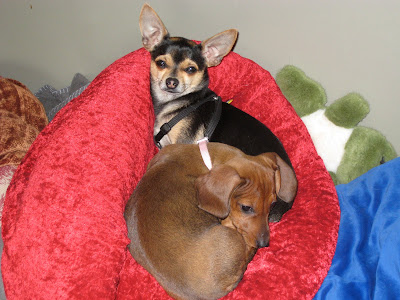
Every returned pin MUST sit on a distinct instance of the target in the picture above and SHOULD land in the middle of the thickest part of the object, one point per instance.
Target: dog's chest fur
(186, 131)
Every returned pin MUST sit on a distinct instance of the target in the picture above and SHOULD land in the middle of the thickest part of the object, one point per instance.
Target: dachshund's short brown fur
(195, 230)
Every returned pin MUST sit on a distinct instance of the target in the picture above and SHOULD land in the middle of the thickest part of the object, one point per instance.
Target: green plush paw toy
(347, 150)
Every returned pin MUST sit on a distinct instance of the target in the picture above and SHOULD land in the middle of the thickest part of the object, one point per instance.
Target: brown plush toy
(22, 117)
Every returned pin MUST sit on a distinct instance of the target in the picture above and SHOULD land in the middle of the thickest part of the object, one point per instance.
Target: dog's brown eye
(162, 64)
(190, 70)
(246, 209)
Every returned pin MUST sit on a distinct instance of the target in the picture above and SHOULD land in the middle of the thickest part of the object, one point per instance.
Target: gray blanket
(53, 100)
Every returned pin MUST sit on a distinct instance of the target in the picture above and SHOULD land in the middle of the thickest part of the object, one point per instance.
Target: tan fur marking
(162, 71)
(190, 80)
(177, 38)
(188, 63)
(177, 130)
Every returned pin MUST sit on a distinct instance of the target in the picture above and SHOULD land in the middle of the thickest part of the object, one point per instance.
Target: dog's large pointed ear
(216, 47)
(215, 188)
(285, 178)
(151, 27)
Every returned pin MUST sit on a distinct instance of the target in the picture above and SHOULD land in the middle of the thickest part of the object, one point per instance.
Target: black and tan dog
(194, 229)
(179, 80)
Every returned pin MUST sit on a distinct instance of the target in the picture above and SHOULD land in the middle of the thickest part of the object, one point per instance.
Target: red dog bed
(63, 228)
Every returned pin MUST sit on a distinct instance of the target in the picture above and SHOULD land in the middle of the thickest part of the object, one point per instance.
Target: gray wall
(346, 45)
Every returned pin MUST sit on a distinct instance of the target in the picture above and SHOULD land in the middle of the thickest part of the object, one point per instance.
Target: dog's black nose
(262, 244)
(263, 240)
(172, 83)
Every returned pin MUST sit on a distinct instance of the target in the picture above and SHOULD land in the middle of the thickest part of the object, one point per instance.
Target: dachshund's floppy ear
(288, 180)
(285, 178)
(215, 188)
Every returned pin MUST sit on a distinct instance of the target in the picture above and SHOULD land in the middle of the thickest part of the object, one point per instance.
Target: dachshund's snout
(263, 240)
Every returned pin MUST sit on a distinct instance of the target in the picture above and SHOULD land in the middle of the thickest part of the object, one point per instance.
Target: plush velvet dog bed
(63, 228)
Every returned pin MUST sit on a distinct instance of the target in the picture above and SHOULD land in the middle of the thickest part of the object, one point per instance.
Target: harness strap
(166, 127)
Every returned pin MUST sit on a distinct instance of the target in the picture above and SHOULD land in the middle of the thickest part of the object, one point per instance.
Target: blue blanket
(366, 264)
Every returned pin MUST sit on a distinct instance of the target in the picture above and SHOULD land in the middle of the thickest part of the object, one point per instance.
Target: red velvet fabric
(63, 228)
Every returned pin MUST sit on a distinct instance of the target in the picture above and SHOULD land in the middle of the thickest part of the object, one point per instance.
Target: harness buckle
(165, 128)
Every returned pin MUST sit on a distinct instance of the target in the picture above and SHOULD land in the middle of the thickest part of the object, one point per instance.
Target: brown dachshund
(194, 229)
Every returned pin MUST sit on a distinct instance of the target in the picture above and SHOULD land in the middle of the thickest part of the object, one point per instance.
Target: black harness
(166, 127)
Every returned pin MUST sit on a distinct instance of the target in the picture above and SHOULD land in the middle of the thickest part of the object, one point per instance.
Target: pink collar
(204, 152)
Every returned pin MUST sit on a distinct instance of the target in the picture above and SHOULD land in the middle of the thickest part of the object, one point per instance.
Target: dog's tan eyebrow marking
(167, 58)
(188, 63)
